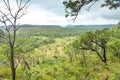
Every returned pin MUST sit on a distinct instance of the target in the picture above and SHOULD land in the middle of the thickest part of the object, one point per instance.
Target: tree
(94, 41)
(72, 7)
(71, 51)
(9, 16)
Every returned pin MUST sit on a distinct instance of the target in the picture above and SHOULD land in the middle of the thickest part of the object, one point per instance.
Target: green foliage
(52, 32)
(114, 43)
(99, 42)
(46, 42)
(114, 46)
(1, 35)
(73, 7)
(111, 4)
(56, 53)
(70, 51)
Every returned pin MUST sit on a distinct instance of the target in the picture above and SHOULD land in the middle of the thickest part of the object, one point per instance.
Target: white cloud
(52, 12)
(42, 16)
(110, 14)
(39, 16)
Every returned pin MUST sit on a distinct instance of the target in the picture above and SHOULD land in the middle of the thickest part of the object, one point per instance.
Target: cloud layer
(52, 12)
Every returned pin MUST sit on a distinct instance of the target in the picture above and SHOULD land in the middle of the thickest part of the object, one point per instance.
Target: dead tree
(9, 15)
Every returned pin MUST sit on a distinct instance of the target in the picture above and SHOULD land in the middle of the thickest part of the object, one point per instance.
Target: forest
(63, 53)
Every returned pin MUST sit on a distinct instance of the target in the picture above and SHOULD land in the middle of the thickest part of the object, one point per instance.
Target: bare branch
(6, 16)
(9, 20)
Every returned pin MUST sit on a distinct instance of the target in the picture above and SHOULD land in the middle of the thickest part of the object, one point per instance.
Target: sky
(51, 12)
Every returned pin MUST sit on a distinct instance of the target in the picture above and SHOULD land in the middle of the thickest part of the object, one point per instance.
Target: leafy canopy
(72, 7)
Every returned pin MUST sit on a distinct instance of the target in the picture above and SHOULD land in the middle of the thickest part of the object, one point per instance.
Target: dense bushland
(64, 53)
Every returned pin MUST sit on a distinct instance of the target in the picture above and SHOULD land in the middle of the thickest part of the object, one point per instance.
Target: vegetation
(59, 54)
(73, 7)
(1, 33)
(56, 53)
(9, 17)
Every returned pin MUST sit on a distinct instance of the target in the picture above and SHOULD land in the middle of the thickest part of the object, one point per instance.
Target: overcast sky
(47, 12)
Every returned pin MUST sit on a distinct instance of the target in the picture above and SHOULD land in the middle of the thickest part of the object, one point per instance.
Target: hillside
(48, 53)
(91, 26)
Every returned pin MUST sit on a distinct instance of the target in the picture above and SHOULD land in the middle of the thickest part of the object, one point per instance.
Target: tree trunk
(84, 58)
(12, 62)
(104, 55)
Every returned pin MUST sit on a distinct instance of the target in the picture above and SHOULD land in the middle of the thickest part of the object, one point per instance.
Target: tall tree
(9, 16)
(72, 7)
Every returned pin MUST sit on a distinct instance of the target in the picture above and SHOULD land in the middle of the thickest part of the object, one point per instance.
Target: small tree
(71, 52)
(94, 41)
(9, 15)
